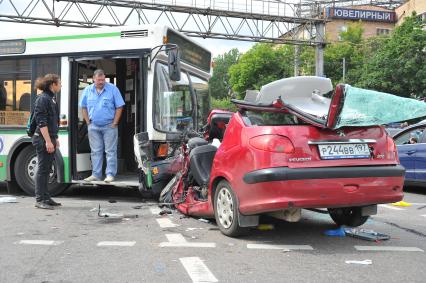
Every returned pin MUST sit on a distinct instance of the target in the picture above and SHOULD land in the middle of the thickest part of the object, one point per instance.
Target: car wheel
(226, 210)
(349, 216)
(25, 170)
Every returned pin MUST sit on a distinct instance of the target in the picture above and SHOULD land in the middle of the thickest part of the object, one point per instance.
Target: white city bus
(154, 103)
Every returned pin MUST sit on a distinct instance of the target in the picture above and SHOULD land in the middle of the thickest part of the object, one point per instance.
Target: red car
(278, 155)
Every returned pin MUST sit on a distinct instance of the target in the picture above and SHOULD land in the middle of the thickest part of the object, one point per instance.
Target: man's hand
(113, 125)
(49, 147)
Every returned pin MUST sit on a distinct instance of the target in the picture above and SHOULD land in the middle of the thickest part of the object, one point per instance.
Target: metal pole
(296, 60)
(319, 49)
(344, 68)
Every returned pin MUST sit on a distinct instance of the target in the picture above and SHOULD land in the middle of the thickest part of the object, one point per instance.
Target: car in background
(413, 155)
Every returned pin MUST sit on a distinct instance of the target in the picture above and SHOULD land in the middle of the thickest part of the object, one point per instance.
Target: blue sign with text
(365, 15)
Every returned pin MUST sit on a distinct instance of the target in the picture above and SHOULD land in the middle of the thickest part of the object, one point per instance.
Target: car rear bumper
(285, 173)
(311, 190)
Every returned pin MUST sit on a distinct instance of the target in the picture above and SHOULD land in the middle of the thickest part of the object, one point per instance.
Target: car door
(407, 151)
(420, 159)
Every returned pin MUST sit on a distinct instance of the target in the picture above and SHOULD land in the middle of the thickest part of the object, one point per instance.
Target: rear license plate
(344, 151)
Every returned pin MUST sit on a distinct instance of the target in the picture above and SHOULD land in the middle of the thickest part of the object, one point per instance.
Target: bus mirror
(174, 64)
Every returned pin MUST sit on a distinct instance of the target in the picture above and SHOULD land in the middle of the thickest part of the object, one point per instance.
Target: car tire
(226, 210)
(349, 216)
(25, 170)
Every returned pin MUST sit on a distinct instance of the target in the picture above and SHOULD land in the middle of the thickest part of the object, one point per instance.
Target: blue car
(411, 144)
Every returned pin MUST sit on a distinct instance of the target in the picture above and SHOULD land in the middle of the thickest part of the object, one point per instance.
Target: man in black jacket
(45, 139)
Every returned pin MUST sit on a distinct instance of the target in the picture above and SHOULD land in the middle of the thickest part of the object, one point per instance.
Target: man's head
(99, 78)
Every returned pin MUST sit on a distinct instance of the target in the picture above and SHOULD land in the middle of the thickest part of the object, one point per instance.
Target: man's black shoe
(52, 202)
(43, 205)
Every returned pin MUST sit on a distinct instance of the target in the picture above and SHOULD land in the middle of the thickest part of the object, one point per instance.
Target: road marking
(391, 207)
(40, 242)
(118, 244)
(279, 247)
(177, 240)
(197, 270)
(424, 215)
(166, 223)
(388, 248)
(155, 210)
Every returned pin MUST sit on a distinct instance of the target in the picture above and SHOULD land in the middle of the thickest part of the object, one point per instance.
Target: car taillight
(391, 149)
(274, 143)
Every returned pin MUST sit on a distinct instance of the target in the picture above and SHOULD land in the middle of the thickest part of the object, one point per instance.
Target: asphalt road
(74, 244)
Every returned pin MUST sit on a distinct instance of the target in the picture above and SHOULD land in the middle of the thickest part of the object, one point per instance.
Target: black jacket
(46, 113)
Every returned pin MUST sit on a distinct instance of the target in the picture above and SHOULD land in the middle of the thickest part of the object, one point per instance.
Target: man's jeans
(103, 139)
(44, 166)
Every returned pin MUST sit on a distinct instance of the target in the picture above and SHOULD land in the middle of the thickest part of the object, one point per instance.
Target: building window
(382, 31)
(17, 87)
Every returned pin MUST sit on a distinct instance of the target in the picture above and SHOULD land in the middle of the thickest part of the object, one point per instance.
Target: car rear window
(262, 118)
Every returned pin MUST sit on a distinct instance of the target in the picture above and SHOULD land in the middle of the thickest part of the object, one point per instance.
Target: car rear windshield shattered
(362, 107)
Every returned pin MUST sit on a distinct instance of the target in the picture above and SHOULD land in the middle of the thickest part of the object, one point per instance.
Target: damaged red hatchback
(280, 153)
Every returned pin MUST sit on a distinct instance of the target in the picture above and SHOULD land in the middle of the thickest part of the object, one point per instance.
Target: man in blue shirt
(102, 105)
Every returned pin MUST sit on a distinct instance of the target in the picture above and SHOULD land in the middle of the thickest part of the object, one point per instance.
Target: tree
(399, 65)
(219, 83)
(262, 64)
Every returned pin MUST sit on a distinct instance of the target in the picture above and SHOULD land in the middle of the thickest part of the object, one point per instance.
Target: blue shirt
(101, 107)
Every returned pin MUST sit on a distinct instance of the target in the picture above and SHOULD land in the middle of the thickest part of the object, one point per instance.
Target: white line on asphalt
(177, 240)
(388, 248)
(197, 270)
(279, 247)
(390, 207)
(424, 215)
(166, 223)
(40, 242)
(118, 244)
(155, 210)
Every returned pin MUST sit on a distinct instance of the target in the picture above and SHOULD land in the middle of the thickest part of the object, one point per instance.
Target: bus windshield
(172, 102)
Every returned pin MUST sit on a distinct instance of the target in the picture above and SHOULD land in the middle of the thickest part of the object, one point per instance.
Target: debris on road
(115, 215)
(364, 234)
(203, 220)
(401, 203)
(339, 232)
(137, 207)
(192, 229)
(165, 212)
(8, 200)
(112, 201)
(265, 227)
(364, 262)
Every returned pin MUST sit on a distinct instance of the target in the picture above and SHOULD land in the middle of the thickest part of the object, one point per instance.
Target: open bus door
(129, 74)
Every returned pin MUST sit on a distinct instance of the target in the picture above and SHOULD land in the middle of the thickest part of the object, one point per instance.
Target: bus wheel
(26, 169)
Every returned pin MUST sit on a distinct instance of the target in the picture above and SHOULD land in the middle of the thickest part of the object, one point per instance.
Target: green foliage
(353, 34)
(219, 83)
(260, 65)
(399, 65)
(223, 104)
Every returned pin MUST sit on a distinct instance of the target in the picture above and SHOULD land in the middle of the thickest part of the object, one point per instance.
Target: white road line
(178, 241)
(197, 270)
(166, 223)
(424, 215)
(155, 210)
(391, 207)
(388, 248)
(117, 244)
(279, 247)
(40, 242)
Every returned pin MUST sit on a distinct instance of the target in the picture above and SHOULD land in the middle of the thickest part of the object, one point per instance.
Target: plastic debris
(265, 227)
(401, 203)
(364, 234)
(203, 220)
(339, 232)
(365, 261)
(8, 200)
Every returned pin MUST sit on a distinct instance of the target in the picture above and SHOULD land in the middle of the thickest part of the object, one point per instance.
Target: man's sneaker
(43, 205)
(91, 179)
(52, 202)
(109, 179)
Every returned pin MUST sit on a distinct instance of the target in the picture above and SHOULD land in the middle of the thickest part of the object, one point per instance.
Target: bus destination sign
(190, 52)
(15, 46)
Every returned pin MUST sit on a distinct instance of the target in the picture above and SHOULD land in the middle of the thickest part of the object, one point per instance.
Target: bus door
(127, 73)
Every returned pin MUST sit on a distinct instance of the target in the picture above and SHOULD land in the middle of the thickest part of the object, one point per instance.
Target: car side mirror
(174, 64)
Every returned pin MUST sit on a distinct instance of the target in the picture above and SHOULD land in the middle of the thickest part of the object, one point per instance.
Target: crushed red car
(281, 152)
